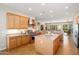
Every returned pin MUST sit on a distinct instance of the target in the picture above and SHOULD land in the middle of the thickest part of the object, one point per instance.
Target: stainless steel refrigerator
(76, 34)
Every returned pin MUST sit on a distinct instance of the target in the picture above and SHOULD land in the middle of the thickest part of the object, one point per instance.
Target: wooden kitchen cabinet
(25, 39)
(17, 21)
(24, 22)
(12, 42)
(28, 38)
(18, 40)
(10, 21)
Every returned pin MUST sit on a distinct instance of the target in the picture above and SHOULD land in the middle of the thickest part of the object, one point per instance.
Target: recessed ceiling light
(42, 4)
(50, 11)
(66, 7)
(30, 9)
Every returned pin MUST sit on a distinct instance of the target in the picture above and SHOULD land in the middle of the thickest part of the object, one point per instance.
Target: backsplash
(15, 31)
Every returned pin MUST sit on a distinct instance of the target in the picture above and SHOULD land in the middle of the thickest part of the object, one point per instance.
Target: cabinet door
(24, 39)
(10, 21)
(12, 42)
(17, 21)
(28, 39)
(24, 22)
(18, 40)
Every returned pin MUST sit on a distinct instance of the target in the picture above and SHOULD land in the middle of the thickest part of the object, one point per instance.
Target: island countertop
(49, 36)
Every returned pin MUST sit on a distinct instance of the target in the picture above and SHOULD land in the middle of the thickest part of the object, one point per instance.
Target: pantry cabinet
(10, 21)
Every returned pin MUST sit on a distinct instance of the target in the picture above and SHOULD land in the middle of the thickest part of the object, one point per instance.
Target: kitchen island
(48, 44)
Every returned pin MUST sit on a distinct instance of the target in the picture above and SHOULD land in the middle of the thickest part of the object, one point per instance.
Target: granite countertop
(49, 36)
(52, 36)
(16, 34)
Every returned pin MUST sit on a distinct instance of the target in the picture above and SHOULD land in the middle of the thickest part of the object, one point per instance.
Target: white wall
(2, 29)
(3, 21)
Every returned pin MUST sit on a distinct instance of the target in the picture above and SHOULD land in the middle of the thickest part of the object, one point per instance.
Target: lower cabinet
(12, 42)
(29, 39)
(25, 39)
(17, 41)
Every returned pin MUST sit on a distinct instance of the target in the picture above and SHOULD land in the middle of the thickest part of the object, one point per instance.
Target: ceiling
(47, 11)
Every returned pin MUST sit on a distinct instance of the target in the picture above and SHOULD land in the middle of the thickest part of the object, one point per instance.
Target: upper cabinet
(10, 21)
(24, 22)
(16, 22)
